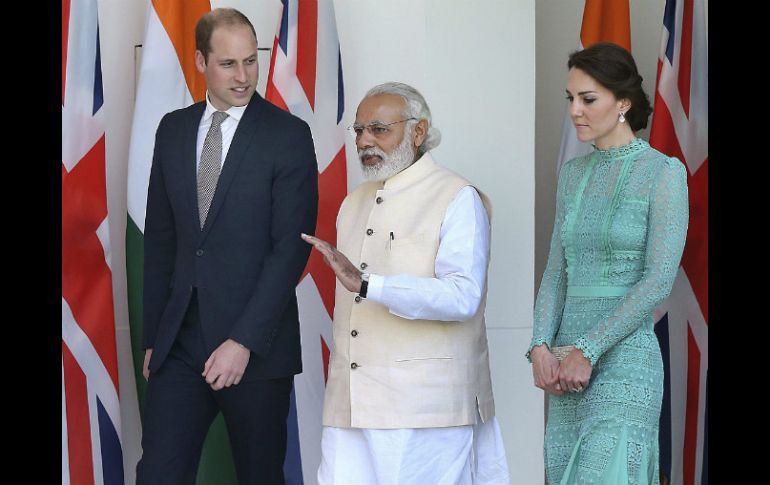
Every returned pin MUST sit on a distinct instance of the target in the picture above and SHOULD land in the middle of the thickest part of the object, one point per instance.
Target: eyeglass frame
(375, 124)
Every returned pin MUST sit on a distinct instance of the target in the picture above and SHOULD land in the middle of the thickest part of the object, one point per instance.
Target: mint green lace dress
(618, 236)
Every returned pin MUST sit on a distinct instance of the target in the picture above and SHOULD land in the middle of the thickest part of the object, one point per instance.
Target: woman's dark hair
(613, 67)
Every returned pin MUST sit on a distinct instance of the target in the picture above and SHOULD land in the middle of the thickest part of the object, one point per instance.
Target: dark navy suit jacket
(247, 260)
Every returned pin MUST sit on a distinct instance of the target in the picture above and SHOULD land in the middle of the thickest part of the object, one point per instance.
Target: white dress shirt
(228, 126)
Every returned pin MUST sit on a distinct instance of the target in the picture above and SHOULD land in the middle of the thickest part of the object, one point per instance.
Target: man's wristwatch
(364, 285)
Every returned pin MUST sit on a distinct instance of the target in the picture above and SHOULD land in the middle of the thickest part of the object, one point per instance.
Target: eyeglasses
(375, 128)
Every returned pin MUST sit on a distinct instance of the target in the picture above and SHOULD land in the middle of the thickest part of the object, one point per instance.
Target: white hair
(416, 107)
(390, 163)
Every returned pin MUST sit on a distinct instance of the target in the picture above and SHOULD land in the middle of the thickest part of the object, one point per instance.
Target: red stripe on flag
(325, 355)
(307, 38)
(276, 98)
(332, 187)
(662, 132)
(86, 278)
(691, 417)
(657, 88)
(696, 251)
(78, 421)
(65, 24)
(271, 93)
(685, 57)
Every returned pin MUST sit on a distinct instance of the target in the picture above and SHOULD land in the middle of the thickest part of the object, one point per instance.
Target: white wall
(475, 64)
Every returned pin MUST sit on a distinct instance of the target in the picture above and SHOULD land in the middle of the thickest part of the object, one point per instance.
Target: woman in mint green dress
(618, 236)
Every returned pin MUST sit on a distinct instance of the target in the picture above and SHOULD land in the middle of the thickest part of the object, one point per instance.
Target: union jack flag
(91, 442)
(680, 129)
(306, 79)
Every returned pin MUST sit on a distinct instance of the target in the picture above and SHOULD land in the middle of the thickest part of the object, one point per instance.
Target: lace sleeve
(666, 235)
(553, 287)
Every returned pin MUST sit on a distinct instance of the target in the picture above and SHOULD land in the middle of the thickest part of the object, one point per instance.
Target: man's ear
(420, 132)
(200, 62)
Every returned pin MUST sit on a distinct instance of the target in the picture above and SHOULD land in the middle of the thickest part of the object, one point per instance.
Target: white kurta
(457, 455)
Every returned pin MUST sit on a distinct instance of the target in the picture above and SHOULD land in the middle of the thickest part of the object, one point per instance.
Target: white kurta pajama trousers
(458, 455)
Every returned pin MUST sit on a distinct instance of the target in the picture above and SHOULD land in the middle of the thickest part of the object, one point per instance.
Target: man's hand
(545, 369)
(575, 372)
(146, 366)
(226, 365)
(348, 274)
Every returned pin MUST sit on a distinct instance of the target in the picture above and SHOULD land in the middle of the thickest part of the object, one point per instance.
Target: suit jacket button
(353, 365)
(354, 333)
(358, 298)
(378, 200)
(363, 265)
(199, 252)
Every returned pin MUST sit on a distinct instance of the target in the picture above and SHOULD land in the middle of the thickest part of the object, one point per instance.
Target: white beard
(400, 158)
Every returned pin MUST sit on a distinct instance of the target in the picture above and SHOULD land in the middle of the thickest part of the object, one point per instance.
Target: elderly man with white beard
(409, 394)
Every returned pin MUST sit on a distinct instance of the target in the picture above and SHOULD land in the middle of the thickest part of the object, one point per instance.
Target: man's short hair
(217, 18)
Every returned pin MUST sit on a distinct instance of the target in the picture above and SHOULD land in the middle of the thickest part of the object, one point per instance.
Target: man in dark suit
(233, 184)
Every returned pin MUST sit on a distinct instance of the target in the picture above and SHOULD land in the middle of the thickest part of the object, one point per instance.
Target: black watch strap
(364, 288)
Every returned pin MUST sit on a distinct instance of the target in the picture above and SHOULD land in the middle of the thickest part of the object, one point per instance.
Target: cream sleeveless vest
(386, 371)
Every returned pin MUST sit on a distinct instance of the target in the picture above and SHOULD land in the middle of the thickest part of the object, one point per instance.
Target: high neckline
(615, 153)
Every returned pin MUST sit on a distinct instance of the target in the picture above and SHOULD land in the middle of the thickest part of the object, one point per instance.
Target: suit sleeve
(294, 211)
(159, 245)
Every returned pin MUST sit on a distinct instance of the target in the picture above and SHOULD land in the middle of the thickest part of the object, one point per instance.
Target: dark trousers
(180, 407)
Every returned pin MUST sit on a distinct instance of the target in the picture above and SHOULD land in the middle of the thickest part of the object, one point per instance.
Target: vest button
(369, 232)
(378, 200)
(358, 298)
(364, 265)
(353, 365)
(199, 252)
(354, 333)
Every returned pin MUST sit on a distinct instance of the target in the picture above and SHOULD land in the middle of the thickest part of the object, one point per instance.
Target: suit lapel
(189, 157)
(247, 129)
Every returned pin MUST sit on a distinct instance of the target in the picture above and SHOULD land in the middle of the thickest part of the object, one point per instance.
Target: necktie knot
(218, 117)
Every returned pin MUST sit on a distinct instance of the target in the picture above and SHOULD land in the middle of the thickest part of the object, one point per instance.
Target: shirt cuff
(374, 290)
